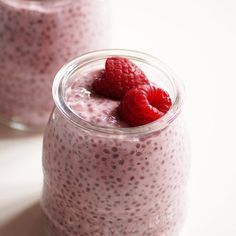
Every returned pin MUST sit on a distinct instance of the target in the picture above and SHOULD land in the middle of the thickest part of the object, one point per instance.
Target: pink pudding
(36, 39)
(103, 178)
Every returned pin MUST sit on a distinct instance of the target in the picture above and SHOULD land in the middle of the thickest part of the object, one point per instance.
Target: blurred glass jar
(107, 181)
(36, 38)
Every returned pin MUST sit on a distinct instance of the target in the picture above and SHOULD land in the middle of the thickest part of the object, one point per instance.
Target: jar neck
(95, 60)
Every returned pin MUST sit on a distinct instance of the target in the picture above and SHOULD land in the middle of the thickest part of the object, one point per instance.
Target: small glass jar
(36, 38)
(115, 181)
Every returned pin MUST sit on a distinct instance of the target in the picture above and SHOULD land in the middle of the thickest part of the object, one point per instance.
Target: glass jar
(36, 38)
(115, 181)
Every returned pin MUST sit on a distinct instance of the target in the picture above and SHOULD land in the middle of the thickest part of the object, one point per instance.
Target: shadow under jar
(36, 38)
(110, 179)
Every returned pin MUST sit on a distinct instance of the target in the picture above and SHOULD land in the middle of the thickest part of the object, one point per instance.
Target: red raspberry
(120, 76)
(144, 104)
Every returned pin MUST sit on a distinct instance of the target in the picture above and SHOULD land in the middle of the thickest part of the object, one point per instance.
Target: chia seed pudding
(36, 39)
(103, 178)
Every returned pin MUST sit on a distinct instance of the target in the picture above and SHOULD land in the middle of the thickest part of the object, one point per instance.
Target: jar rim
(27, 3)
(68, 69)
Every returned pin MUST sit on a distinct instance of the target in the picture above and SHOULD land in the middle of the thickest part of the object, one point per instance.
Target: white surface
(197, 38)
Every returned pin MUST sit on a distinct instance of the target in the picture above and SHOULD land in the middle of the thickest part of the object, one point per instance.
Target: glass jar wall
(118, 181)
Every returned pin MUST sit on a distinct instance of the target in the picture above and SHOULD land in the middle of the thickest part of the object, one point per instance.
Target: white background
(197, 38)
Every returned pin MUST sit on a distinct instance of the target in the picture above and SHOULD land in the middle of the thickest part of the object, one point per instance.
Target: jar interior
(157, 72)
(156, 75)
